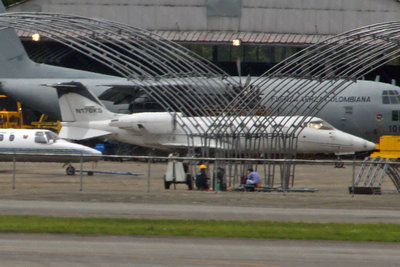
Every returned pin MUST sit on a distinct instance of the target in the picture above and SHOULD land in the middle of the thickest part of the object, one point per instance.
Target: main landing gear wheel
(339, 164)
(167, 184)
(70, 170)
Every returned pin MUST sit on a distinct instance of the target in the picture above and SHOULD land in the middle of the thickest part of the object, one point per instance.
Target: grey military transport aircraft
(367, 109)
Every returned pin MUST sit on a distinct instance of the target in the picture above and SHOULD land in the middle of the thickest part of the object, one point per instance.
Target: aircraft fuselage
(38, 145)
(366, 109)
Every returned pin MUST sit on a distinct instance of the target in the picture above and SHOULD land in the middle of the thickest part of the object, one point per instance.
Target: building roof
(258, 38)
(226, 37)
(279, 16)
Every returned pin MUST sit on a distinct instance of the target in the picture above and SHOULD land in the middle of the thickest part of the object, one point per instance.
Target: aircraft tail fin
(14, 61)
(78, 104)
(13, 57)
(2, 7)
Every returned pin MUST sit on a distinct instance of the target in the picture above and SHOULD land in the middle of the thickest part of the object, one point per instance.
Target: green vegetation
(248, 229)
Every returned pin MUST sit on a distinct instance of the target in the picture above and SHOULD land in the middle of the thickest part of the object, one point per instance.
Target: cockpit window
(51, 137)
(320, 125)
(40, 138)
(390, 97)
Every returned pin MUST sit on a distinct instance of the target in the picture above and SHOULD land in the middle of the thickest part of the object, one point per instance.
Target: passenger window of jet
(12, 137)
(40, 138)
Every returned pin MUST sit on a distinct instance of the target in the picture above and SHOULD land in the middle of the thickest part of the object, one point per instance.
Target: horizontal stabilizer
(77, 133)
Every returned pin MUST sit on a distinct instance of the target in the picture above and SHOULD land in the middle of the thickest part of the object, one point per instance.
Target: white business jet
(39, 145)
(84, 117)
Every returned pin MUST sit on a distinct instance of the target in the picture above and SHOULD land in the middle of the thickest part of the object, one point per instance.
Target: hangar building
(269, 30)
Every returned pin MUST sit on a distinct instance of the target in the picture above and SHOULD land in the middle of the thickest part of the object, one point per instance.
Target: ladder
(371, 174)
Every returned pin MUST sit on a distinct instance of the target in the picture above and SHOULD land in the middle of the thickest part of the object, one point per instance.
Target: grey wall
(279, 16)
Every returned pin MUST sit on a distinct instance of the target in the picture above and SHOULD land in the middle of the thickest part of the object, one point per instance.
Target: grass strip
(200, 228)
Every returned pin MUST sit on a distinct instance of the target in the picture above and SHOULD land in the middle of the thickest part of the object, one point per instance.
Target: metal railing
(234, 167)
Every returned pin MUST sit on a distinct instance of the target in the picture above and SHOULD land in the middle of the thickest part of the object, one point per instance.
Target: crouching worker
(253, 178)
(202, 179)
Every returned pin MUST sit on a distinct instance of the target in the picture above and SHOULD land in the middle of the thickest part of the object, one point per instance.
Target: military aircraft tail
(15, 62)
(13, 58)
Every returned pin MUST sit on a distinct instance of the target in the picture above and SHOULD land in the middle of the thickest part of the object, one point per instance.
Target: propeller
(239, 71)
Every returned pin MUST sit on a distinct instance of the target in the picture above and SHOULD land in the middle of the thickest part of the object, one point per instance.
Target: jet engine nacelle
(151, 122)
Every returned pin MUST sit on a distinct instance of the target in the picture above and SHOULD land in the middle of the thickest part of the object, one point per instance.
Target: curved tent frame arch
(307, 66)
(179, 68)
(318, 72)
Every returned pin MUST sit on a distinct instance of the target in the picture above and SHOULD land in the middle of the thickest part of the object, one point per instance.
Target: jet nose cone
(369, 146)
(362, 144)
(94, 152)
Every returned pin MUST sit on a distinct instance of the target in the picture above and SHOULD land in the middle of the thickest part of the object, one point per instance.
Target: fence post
(14, 170)
(81, 177)
(353, 176)
(148, 175)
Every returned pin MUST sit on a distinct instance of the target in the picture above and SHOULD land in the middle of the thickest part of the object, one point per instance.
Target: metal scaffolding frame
(211, 107)
(319, 73)
(139, 56)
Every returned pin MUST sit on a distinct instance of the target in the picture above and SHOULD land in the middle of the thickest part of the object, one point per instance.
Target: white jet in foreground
(84, 116)
(38, 145)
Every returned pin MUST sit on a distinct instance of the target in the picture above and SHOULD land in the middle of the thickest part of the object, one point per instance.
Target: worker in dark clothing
(201, 178)
(220, 179)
